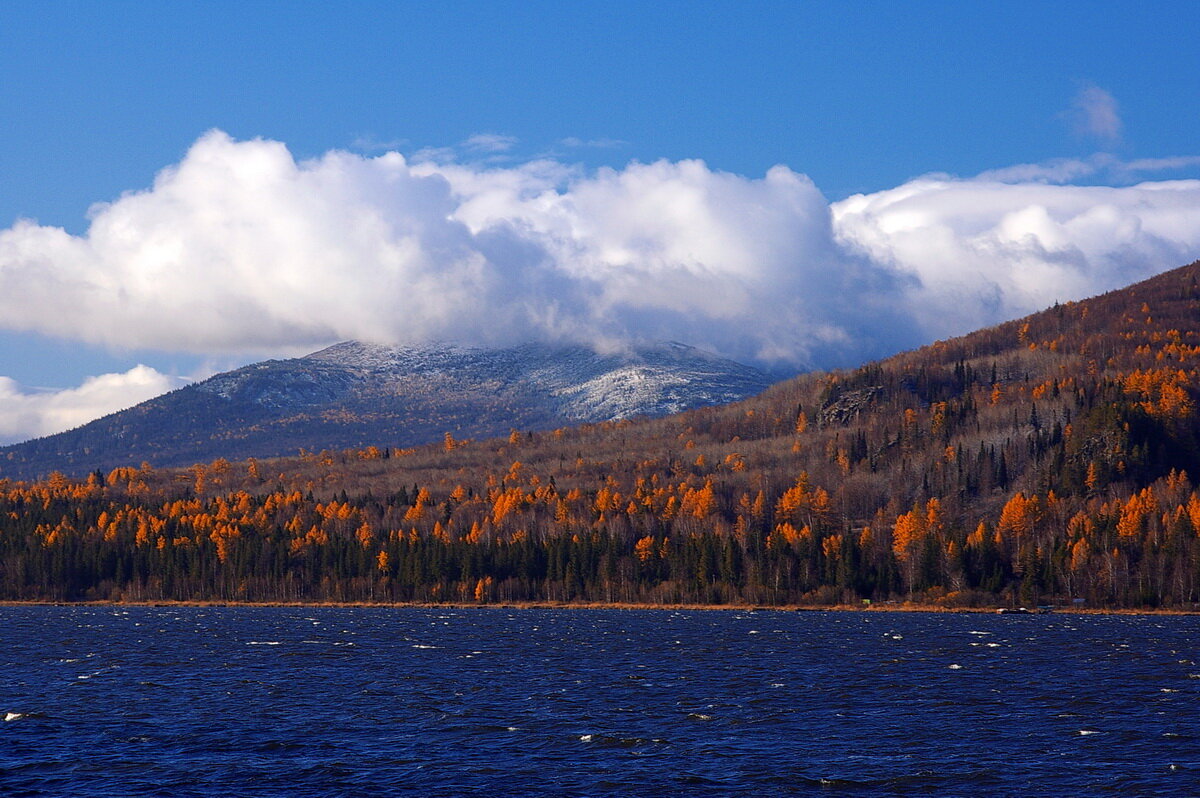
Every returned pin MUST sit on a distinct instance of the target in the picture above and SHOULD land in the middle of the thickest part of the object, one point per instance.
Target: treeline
(1045, 460)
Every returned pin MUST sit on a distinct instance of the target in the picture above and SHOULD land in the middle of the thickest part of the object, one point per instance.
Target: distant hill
(357, 394)
(1053, 459)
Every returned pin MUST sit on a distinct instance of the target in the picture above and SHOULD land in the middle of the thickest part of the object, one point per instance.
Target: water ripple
(314, 702)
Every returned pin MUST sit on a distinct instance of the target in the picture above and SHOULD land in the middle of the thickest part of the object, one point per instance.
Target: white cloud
(1162, 164)
(980, 251)
(240, 249)
(30, 413)
(490, 143)
(1067, 170)
(602, 143)
(1059, 170)
(1094, 114)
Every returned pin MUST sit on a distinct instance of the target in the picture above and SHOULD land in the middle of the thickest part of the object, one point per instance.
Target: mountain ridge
(355, 394)
(1046, 460)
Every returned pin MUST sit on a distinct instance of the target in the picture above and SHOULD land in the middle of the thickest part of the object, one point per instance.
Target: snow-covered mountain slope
(358, 394)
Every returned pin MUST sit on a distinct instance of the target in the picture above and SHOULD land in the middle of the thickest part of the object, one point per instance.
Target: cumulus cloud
(980, 251)
(30, 414)
(1094, 114)
(240, 248)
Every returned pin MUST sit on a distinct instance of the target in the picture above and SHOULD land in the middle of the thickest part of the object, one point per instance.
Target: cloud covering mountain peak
(240, 247)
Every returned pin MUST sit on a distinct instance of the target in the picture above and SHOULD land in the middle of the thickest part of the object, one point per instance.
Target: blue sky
(861, 98)
(97, 97)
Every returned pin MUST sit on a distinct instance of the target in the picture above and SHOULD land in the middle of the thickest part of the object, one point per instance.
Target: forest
(1048, 460)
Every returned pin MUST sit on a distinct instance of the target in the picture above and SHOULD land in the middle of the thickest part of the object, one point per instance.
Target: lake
(256, 701)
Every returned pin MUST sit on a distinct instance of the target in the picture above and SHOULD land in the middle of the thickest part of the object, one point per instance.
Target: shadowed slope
(355, 394)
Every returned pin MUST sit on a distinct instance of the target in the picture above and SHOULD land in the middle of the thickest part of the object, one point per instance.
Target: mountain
(358, 394)
(1053, 459)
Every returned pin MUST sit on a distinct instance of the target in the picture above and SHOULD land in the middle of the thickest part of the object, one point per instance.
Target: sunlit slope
(1048, 459)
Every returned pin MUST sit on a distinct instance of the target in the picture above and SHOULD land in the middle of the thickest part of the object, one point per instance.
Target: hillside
(1046, 459)
(354, 394)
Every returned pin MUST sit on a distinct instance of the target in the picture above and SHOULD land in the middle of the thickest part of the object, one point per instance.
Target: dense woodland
(1046, 460)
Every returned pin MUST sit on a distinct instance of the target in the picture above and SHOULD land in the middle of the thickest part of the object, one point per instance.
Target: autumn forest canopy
(1046, 460)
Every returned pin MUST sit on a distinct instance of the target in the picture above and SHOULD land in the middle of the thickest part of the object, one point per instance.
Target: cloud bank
(31, 414)
(240, 248)
(979, 252)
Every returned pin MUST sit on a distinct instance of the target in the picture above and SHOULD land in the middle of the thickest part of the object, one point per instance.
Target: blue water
(335, 701)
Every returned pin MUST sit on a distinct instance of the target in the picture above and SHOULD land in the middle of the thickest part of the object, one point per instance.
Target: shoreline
(596, 605)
